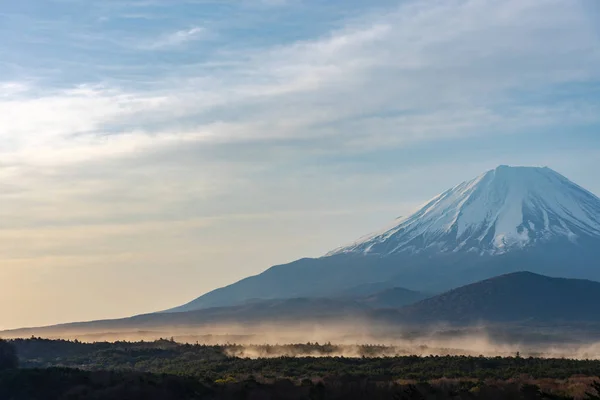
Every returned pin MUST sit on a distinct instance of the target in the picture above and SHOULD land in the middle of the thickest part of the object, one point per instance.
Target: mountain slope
(520, 296)
(393, 298)
(295, 310)
(508, 219)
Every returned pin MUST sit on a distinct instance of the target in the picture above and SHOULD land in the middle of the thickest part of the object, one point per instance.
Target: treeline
(216, 362)
(8, 356)
(171, 371)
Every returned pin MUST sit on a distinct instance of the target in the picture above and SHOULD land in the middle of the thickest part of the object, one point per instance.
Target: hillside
(393, 298)
(516, 297)
(508, 301)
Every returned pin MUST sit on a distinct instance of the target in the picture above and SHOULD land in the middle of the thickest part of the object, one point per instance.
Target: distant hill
(520, 299)
(393, 298)
(255, 312)
(366, 289)
(515, 297)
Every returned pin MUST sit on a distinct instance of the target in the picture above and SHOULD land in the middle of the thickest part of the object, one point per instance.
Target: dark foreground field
(62, 383)
(167, 370)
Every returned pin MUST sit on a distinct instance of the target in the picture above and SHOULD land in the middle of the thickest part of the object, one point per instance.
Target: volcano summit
(505, 209)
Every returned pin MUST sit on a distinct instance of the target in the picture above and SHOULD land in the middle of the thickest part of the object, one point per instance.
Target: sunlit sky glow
(152, 150)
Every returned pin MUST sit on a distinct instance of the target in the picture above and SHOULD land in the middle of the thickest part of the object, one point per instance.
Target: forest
(45, 369)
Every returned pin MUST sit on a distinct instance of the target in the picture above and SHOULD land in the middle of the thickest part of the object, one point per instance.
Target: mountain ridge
(518, 296)
(521, 299)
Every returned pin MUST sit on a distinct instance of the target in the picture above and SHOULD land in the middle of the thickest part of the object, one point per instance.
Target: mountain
(506, 220)
(516, 297)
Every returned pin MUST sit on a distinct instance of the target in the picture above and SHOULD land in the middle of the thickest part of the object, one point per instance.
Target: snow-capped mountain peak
(503, 209)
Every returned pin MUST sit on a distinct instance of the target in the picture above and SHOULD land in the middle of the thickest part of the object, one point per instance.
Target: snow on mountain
(504, 209)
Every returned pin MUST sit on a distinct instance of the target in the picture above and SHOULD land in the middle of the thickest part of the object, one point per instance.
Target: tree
(8, 356)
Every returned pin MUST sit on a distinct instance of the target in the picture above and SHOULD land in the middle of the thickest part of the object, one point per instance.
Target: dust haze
(351, 339)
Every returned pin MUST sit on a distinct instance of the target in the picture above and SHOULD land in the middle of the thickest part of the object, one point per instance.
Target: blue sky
(163, 148)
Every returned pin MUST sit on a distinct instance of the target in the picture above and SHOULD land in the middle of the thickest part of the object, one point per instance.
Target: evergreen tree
(8, 356)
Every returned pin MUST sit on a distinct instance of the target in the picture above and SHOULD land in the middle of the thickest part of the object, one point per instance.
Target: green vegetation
(216, 362)
(8, 356)
(65, 383)
(56, 369)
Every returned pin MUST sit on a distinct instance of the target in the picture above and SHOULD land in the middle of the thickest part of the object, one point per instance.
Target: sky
(153, 150)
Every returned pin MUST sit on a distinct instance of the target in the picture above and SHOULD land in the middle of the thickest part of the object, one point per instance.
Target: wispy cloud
(176, 39)
(13, 88)
(422, 76)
